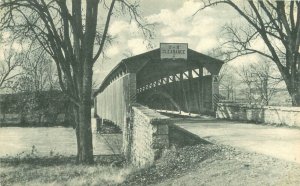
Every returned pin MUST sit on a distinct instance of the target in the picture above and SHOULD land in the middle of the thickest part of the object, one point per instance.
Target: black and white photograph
(149, 92)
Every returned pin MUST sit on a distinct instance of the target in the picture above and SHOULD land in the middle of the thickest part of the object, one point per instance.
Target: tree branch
(104, 35)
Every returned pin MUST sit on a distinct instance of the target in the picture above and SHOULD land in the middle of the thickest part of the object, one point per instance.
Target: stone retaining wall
(148, 135)
(262, 114)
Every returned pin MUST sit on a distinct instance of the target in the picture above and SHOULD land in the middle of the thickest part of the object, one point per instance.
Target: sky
(174, 22)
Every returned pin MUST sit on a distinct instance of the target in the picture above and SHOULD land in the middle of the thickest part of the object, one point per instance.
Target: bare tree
(228, 82)
(261, 82)
(38, 73)
(8, 69)
(266, 81)
(74, 39)
(247, 78)
(277, 24)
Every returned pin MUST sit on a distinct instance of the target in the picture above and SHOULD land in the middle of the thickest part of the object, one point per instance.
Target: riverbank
(35, 109)
(52, 140)
(60, 170)
(204, 164)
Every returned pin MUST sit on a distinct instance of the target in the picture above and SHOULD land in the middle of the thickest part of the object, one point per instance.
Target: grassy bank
(108, 170)
(59, 170)
(203, 164)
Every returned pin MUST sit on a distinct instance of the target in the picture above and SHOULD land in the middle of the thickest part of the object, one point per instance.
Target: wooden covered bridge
(172, 77)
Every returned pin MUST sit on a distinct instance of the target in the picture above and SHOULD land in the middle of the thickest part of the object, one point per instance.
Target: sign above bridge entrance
(173, 50)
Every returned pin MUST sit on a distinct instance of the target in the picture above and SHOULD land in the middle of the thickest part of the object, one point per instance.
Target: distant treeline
(44, 108)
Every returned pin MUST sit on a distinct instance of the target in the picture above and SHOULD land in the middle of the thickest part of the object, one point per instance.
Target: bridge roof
(148, 66)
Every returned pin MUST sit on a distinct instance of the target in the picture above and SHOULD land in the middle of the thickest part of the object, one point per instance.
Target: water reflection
(57, 140)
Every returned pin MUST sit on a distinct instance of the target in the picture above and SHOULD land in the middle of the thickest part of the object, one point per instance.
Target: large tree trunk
(296, 98)
(295, 95)
(84, 135)
(76, 127)
(83, 131)
(293, 87)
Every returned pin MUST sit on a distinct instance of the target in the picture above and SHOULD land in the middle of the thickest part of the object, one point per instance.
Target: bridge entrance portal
(172, 77)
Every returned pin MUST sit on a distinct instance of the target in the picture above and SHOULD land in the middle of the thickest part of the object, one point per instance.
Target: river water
(57, 140)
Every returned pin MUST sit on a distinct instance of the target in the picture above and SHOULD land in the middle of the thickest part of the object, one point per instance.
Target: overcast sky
(174, 23)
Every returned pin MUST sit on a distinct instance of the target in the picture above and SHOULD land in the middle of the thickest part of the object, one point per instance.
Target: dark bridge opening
(178, 84)
(157, 99)
(191, 95)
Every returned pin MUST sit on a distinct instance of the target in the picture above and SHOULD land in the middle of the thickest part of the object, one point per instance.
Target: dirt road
(278, 142)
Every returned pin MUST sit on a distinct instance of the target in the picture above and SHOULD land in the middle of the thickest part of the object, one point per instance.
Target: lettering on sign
(173, 50)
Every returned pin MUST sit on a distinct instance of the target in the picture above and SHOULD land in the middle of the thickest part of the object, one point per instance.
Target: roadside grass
(107, 170)
(31, 169)
(202, 164)
(62, 175)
